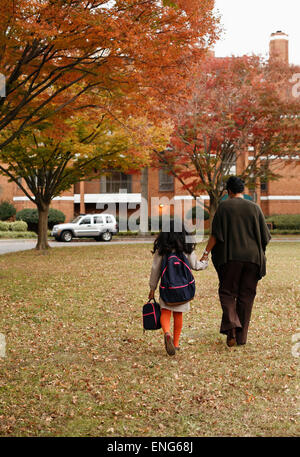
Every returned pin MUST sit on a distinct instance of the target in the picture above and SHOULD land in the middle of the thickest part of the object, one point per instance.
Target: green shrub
(31, 217)
(15, 235)
(285, 221)
(154, 222)
(285, 232)
(4, 226)
(191, 214)
(7, 210)
(18, 226)
(55, 217)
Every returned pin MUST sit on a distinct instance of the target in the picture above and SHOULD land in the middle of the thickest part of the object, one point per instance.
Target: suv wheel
(67, 236)
(106, 236)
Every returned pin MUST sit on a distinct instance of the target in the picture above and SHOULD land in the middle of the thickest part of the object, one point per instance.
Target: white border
(189, 197)
(24, 199)
(109, 198)
(279, 37)
(136, 198)
(281, 197)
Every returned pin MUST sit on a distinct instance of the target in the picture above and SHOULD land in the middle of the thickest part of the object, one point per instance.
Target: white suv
(98, 226)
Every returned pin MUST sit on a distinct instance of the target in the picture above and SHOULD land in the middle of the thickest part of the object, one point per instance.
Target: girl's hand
(204, 257)
(151, 295)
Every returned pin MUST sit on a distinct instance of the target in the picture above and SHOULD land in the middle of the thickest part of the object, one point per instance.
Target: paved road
(7, 246)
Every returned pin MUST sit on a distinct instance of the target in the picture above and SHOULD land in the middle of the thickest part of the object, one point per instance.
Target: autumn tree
(46, 160)
(122, 59)
(62, 55)
(232, 105)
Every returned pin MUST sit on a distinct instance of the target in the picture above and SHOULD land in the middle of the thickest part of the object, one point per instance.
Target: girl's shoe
(169, 344)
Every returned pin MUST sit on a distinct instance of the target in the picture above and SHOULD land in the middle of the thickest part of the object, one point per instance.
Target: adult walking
(238, 241)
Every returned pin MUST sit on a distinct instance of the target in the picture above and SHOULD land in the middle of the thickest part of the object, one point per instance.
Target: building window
(115, 183)
(264, 186)
(264, 178)
(229, 165)
(166, 182)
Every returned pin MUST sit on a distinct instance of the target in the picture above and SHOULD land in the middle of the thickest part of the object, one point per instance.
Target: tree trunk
(42, 242)
(212, 209)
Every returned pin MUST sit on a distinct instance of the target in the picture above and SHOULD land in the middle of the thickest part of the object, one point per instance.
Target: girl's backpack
(177, 283)
(151, 316)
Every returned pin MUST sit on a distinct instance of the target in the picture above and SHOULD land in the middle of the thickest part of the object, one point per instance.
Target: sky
(248, 25)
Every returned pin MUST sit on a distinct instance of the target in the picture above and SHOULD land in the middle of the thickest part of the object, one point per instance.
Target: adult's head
(235, 185)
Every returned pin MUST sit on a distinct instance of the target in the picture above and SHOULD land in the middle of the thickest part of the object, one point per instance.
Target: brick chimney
(279, 46)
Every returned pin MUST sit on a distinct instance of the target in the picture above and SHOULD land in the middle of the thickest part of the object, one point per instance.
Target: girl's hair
(167, 242)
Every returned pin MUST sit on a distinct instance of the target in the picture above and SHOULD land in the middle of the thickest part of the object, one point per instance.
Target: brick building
(282, 196)
(278, 197)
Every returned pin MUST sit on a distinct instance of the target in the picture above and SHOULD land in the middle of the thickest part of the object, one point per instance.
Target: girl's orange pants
(165, 320)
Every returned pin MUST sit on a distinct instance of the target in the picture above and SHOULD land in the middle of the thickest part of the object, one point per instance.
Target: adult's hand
(210, 244)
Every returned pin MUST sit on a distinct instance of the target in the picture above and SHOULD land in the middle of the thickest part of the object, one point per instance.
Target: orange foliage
(126, 56)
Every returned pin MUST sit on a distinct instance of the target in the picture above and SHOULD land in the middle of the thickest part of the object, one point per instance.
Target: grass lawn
(78, 363)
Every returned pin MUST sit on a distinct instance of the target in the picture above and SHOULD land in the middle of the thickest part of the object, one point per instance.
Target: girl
(165, 244)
